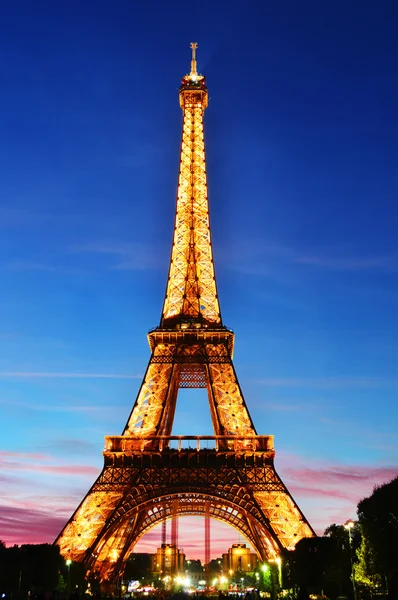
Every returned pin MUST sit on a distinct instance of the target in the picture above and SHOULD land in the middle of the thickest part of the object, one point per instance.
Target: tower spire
(194, 45)
(191, 295)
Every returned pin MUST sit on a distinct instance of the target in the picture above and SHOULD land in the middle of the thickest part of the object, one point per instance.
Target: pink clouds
(326, 493)
(27, 514)
(28, 526)
(33, 462)
(29, 455)
(61, 469)
(339, 474)
(329, 493)
(341, 481)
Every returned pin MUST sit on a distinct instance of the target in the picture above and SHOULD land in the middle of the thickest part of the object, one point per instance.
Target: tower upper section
(191, 295)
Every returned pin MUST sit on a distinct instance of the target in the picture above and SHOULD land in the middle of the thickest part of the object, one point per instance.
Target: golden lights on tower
(191, 348)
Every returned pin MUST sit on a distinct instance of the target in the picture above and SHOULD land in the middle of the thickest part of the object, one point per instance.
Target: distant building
(239, 558)
(168, 560)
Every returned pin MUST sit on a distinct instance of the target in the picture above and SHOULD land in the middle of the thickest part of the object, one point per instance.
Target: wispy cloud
(318, 479)
(326, 492)
(342, 474)
(365, 432)
(72, 470)
(130, 256)
(66, 375)
(288, 407)
(5, 454)
(316, 492)
(62, 408)
(261, 256)
(350, 263)
(24, 526)
(330, 382)
(20, 217)
(71, 446)
(21, 461)
(23, 265)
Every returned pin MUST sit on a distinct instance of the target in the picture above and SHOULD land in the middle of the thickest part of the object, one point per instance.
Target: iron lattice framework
(149, 476)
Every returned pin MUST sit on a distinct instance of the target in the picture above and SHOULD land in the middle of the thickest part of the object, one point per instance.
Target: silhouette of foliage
(138, 566)
(378, 517)
(319, 566)
(31, 567)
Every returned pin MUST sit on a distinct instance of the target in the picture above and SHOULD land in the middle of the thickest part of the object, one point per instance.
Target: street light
(349, 525)
(68, 563)
(279, 563)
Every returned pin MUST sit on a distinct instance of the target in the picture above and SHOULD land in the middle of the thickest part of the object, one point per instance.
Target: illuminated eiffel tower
(150, 475)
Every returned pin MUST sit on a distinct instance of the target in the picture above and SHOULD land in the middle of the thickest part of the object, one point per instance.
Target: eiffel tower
(149, 475)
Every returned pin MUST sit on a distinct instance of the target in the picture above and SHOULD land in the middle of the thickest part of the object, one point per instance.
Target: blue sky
(301, 135)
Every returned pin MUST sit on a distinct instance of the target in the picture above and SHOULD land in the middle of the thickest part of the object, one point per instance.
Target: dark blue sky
(302, 149)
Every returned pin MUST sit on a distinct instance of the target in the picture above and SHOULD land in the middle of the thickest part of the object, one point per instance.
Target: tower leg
(163, 543)
(174, 534)
(207, 539)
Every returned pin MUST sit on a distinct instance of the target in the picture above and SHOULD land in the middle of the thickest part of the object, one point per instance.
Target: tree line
(357, 560)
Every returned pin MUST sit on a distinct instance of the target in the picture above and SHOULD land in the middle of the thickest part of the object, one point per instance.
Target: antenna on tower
(194, 45)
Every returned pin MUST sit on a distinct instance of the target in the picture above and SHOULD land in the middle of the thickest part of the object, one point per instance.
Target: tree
(378, 516)
(31, 567)
(214, 567)
(3, 551)
(340, 533)
(262, 577)
(314, 566)
(138, 566)
(366, 575)
(193, 566)
(346, 552)
(40, 566)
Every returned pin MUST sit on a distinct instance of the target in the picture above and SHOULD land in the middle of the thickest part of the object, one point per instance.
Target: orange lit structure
(149, 475)
(168, 560)
(239, 559)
